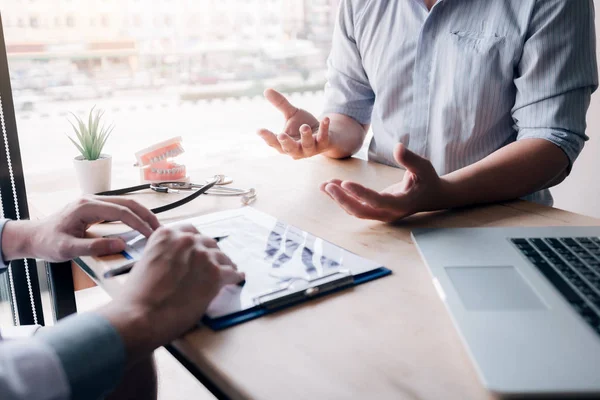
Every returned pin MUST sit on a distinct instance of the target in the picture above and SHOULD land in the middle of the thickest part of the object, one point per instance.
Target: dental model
(159, 152)
(157, 165)
(164, 171)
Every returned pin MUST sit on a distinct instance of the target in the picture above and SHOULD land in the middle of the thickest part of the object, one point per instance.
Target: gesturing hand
(302, 135)
(61, 237)
(420, 190)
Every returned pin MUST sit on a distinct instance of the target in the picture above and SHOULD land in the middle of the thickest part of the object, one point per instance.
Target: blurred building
(320, 20)
(185, 40)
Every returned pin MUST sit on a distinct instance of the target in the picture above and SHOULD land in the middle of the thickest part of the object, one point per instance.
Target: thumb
(281, 103)
(97, 247)
(412, 162)
(230, 276)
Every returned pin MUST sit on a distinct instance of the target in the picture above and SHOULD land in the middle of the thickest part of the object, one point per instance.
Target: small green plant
(92, 137)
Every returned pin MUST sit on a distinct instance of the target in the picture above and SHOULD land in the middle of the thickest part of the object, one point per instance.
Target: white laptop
(526, 302)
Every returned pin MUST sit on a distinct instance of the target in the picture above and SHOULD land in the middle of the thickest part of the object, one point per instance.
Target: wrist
(135, 326)
(17, 239)
(454, 193)
(450, 193)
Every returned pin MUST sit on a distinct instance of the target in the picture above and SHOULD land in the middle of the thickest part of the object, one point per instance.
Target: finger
(412, 161)
(281, 103)
(369, 196)
(94, 211)
(188, 228)
(94, 247)
(334, 181)
(208, 242)
(354, 207)
(324, 185)
(134, 206)
(222, 258)
(289, 145)
(307, 139)
(271, 139)
(229, 276)
(323, 134)
(202, 240)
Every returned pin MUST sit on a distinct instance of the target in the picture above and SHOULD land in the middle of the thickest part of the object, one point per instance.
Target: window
(137, 21)
(195, 69)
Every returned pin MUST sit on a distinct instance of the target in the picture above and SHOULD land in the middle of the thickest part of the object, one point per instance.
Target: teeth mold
(157, 165)
(160, 152)
(162, 172)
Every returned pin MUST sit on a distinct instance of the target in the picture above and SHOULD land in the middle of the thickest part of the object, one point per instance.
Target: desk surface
(388, 339)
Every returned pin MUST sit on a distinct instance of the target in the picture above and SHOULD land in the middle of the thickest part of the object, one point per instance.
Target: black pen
(125, 269)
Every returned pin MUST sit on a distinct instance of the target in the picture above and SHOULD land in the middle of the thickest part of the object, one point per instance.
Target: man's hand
(420, 190)
(169, 289)
(302, 135)
(61, 237)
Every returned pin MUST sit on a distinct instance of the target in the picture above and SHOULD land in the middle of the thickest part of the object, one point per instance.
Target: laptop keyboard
(572, 265)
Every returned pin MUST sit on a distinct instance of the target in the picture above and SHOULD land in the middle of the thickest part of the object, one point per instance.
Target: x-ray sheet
(273, 255)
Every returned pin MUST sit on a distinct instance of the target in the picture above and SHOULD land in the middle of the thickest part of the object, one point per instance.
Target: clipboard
(284, 265)
(269, 303)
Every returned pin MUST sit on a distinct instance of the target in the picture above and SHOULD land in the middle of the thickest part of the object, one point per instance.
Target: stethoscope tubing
(195, 194)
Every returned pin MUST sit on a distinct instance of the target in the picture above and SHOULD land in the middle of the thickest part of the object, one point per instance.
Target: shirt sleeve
(81, 357)
(31, 370)
(91, 352)
(3, 263)
(13, 332)
(557, 74)
(348, 90)
(18, 332)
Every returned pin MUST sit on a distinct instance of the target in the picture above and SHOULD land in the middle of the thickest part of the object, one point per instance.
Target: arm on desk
(177, 277)
(507, 174)
(179, 274)
(62, 236)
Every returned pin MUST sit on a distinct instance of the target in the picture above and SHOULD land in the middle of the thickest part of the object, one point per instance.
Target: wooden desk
(389, 339)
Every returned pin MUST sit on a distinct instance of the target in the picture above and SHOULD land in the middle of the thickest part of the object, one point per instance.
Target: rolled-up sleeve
(557, 74)
(347, 90)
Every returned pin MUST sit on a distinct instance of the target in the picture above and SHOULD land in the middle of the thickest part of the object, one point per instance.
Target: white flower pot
(93, 176)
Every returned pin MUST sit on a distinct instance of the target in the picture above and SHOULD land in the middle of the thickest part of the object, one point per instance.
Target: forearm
(346, 136)
(514, 171)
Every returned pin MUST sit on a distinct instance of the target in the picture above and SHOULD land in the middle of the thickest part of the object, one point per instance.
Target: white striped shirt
(457, 83)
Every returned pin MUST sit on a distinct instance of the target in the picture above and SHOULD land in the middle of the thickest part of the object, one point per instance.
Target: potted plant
(92, 167)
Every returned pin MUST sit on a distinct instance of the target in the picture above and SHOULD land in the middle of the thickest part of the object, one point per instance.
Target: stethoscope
(215, 186)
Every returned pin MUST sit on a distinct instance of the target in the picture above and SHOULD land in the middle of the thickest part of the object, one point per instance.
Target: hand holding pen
(125, 269)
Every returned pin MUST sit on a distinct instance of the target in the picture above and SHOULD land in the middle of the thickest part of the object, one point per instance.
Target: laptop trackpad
(493, 289)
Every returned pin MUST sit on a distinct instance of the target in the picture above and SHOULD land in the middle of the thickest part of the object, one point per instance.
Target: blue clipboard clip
(299, 289)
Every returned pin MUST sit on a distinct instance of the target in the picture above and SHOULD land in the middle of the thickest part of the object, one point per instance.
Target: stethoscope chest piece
(222, 180)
